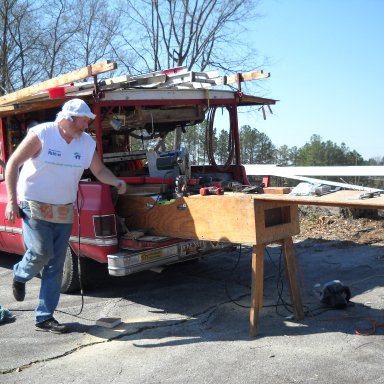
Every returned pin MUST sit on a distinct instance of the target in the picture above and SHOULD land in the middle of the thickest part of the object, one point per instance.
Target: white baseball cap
(74, 108)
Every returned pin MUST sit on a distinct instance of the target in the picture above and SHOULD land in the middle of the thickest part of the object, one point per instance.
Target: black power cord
(279, 282)
(280, 285)
(228, 279)
(78, 258)
(78, 208)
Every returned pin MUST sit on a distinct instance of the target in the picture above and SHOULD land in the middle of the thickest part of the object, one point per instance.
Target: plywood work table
(252, 219)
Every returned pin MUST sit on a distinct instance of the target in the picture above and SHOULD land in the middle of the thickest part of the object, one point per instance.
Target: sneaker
(18, 289)
(51, 325)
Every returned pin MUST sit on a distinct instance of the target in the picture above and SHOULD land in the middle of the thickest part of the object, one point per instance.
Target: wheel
(70, 281)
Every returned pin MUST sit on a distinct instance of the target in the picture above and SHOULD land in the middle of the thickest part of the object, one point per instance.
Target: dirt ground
(329, 223)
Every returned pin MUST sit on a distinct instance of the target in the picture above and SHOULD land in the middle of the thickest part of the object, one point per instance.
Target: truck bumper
(125, 263)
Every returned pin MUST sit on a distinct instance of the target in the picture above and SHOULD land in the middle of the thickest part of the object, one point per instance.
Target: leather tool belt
(54, 213)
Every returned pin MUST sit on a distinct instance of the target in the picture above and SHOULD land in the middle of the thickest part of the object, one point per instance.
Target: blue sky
(326, 59)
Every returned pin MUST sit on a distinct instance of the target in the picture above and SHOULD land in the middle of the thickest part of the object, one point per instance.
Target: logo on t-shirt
(54, 152)
(77, 155)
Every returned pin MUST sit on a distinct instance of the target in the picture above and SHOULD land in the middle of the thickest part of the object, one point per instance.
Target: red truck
(128, 108)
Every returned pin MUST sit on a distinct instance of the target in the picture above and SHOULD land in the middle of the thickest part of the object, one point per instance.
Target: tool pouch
(54, 213)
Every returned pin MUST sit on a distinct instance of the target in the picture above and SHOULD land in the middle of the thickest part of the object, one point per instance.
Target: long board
(342, 199)
(333, 183)
(275, 170)
(80, 74)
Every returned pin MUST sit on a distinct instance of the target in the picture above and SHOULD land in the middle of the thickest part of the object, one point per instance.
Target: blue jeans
(46, 245)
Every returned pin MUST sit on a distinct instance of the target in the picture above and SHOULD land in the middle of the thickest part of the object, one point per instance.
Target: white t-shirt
(53, 176)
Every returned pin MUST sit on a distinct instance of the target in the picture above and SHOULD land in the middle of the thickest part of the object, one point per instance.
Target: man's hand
(121, 187)
(12, 211)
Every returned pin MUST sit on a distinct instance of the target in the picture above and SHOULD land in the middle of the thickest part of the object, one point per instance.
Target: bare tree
(196, 33)
(43, 38)
(60, 23)
(97, 36)
(6, 47)
(17, 45)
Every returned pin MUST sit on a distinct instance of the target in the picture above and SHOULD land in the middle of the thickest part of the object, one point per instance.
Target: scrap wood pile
(328, 223)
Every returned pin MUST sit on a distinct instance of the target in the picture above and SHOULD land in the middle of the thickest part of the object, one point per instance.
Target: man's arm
(27, 149)
(103, 174)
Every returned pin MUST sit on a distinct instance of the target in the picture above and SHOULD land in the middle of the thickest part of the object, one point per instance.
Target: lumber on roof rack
(79, 74)
(245, 76)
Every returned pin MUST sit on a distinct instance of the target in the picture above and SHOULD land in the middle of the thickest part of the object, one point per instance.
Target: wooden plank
(234, 218)
(245, 76)
(328, 182)
(8, 108)
(291, 272)
(255, 100)
(348, 199)
(277, 190)
(257, 288)
(80, 74)
(190, 217)
(274, 221)
(343, 170)
(29, 107)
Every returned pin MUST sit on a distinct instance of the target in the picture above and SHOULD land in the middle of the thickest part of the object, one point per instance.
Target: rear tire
(70, 281)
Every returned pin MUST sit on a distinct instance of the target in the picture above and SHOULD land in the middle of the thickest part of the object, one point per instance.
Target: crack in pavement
(209, 311)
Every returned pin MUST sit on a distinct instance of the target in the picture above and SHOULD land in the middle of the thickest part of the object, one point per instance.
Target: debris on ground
(330, 223)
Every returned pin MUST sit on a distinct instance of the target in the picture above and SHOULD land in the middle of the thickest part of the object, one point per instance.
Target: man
(53, 157)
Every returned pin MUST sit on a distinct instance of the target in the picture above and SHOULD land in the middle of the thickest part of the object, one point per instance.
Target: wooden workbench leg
(291, 271)
(257, 286)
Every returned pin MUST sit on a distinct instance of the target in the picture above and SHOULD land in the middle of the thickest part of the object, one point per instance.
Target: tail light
(104, 225)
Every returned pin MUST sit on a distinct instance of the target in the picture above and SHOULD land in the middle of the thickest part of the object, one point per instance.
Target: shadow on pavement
(210, 299)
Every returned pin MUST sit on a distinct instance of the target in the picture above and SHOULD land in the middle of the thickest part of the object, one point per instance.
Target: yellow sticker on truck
(154, 254)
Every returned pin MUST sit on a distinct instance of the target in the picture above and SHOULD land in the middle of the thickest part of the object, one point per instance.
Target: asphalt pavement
(190, 323)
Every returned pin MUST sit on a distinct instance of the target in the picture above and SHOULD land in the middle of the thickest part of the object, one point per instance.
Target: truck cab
(134, 117)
